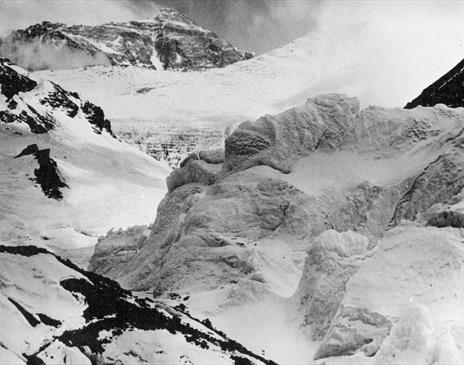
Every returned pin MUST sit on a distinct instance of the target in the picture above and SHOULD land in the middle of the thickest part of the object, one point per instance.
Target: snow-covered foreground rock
(329, 179)
(404, 304)
(52, 312)
(64, 178)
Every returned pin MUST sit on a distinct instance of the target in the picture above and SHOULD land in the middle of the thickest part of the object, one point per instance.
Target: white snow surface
(215, 97)
(161, 348)
(34, 283)
(111, 184)
(58, 353)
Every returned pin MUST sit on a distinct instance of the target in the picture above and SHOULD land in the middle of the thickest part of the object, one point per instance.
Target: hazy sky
(256, 25)
(391, 49)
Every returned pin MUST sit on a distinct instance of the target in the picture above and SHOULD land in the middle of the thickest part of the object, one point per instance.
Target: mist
(40, 56)
(387, 52)
(18, 14)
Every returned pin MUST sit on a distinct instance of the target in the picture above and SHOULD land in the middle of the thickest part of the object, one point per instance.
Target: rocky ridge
(62, 314)
(54, 148)
(447, 90)
(167, 41)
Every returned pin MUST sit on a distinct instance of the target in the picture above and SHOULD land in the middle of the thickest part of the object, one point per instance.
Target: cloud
(16, 14)
(38, 56)
(254, 25)
(387, 52)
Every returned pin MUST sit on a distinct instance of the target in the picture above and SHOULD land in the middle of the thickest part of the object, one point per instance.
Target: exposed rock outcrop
(47, 174)
(447, 90)
(65, 147)
(36, 111)
(13, 82)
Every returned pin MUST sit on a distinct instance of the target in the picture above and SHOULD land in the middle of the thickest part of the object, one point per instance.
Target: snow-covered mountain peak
(168, 40)
(171, 16)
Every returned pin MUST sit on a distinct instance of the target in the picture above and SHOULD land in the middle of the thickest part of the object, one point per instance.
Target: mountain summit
(168, 40)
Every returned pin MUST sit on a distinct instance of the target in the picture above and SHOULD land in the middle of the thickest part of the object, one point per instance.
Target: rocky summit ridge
(167, 41)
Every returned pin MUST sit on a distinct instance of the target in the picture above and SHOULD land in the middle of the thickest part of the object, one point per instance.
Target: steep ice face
(168, 40)
(55, 145)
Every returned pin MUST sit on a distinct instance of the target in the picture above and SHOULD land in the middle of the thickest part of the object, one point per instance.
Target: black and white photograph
(231, 182)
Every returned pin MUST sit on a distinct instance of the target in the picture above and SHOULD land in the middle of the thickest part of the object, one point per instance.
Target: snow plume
(18, 14)
(40, 56)
(387, 52)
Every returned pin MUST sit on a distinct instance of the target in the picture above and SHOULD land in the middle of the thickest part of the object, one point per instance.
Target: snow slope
(108, 184)
(52, 312)
(327, 60)
(135, 97)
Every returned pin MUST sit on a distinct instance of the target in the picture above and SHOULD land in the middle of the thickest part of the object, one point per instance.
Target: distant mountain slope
(64, 177)
(56, 313)
(169, 40)
(448, 90)
(135, 97)
(156, 110)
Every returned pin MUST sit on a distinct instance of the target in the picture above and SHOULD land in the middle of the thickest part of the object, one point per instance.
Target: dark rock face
(47, 174)
(448, 90)
(14, 81)
(29, 150)
(447, 218)
(28, 316)
(11, 82)
(169, 40)
(96, 117)
(61, 99)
